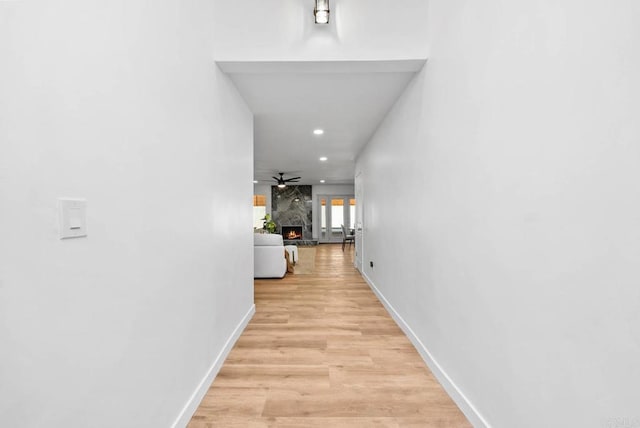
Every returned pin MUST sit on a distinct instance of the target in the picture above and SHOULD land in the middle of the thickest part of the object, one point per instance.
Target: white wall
(120, 103)
(284, 30)
(513, 160)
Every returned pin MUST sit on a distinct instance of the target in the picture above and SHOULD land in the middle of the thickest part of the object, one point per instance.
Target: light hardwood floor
(321, 351)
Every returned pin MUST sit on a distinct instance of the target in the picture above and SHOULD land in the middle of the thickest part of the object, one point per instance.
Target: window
(337, 215)
(259, 210)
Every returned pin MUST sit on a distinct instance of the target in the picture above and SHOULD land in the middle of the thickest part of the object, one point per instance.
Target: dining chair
(347, 237)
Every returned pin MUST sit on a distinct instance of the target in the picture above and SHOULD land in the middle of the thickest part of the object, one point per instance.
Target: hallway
(321, 351)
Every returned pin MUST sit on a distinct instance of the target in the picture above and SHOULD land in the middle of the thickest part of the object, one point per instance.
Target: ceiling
(347, 99)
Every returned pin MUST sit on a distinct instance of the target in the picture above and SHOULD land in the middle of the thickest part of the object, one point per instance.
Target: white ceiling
(347, 99)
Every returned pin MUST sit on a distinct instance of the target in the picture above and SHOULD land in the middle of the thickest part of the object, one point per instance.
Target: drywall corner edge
(194, 401)
(469, 410)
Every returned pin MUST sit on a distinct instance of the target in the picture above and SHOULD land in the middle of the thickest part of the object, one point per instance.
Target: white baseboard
(194, 401)
(451, 388)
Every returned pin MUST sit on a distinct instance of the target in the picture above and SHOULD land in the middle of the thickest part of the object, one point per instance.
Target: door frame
(359, 221)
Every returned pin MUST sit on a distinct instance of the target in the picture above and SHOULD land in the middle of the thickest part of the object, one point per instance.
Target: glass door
(335, 211)
(323, 235)
(337, 219)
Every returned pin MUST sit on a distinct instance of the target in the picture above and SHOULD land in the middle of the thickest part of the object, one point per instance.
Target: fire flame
(293, 235)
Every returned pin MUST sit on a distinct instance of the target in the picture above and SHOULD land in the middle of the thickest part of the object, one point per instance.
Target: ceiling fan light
(321, 11)
(282, 186)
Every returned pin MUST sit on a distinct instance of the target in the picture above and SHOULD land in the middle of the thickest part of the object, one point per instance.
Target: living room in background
(335, 211)
(259, 210)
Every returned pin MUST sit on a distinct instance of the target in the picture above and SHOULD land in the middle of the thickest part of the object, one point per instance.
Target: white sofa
(268, 256)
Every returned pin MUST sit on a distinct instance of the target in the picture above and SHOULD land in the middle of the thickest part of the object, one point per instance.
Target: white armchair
(268, 256)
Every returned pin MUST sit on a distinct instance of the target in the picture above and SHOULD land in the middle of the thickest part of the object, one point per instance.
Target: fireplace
(291, 232)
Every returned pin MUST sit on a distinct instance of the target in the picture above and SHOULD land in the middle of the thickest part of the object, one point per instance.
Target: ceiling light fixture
(323, 159)
(321, 181)
(255, 181)
(318, 131)
(321, 11)
(282, 182)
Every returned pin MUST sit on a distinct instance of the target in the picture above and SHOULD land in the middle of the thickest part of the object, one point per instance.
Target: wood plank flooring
(321, 351)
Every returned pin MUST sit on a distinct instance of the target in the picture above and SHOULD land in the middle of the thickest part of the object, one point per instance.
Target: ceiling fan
(282, 182)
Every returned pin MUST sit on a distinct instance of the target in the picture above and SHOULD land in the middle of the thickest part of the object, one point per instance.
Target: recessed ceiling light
(323, 158)
(321, 181)
(318, 131)
(255, 181)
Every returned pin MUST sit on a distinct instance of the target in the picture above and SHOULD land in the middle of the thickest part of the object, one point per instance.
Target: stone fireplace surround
(292, 206)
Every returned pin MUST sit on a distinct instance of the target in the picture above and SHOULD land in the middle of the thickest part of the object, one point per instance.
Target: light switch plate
(72, 214)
